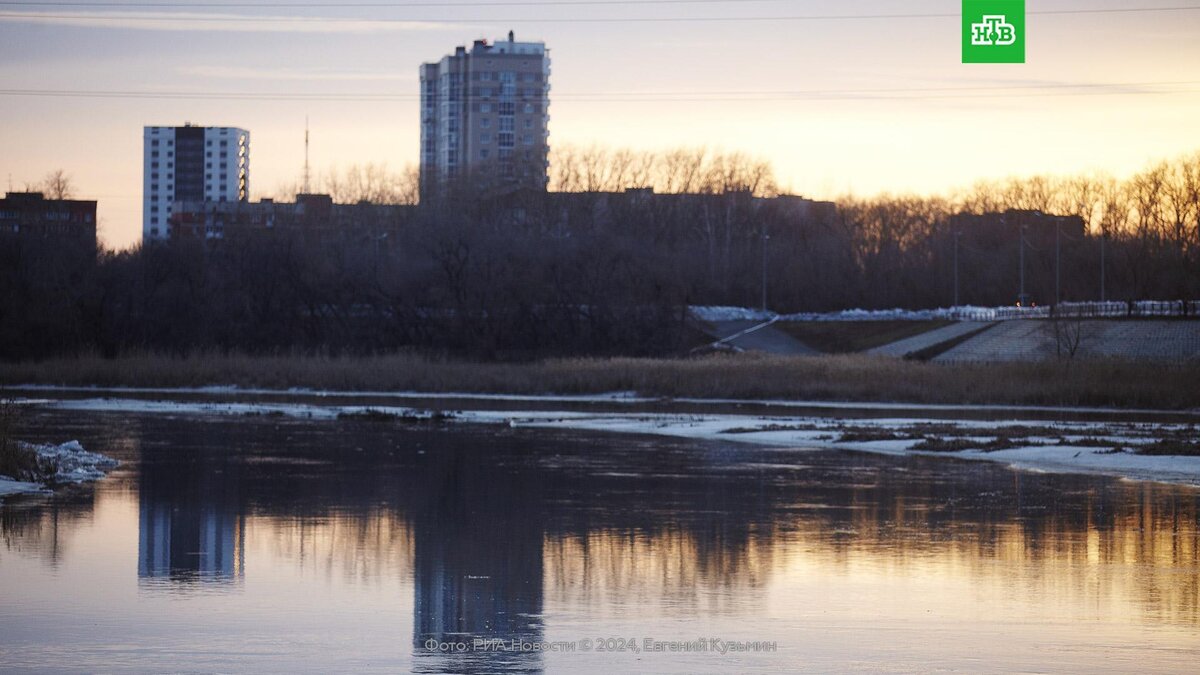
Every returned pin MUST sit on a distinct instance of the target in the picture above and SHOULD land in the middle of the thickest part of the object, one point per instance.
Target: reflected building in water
(477, 571)
(190, 525)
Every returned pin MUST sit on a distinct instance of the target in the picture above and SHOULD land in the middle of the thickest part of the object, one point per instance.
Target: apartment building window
(485, 138)
(154, 143)
(528, 123)
(506, 124)
(486, 122)
(485, 107)
(528, 108)
(528, 139)
(483, 154)
(154, 154)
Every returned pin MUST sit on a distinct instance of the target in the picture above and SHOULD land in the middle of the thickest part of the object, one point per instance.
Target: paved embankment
(928, 340)
(1030, 340)
(769, 338)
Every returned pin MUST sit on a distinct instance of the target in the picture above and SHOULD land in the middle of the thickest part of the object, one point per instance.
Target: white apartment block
(192, 164)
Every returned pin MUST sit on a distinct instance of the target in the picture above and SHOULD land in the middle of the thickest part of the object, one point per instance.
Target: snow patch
(71, 463)
(721, 313)
(75, 464)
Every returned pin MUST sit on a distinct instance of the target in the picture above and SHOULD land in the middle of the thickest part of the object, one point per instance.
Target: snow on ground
(624, 397)
(824, 433)
(73, 465)
(721, 313)
(1057, 446)
(8, 486)
(958, 313)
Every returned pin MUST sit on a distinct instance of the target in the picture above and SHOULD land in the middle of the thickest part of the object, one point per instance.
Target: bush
(20, 460)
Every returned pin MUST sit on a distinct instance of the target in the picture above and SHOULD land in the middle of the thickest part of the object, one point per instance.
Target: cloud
(207, 21)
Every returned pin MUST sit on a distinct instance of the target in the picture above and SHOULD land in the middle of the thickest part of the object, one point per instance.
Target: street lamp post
(1021, 298)
(765, 239)
(1057, 264)
(1103, 295)
(957, 234)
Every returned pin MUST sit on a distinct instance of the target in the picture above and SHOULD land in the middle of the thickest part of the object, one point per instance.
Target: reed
(826, 378)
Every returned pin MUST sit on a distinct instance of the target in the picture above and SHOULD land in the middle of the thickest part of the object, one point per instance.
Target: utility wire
(396, 5)
(901, 94)
(241, 18)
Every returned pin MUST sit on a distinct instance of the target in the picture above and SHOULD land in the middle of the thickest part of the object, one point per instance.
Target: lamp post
(1103, 295)
(765, 239)
(1057, 264)
(957, 234)
(1021, 298)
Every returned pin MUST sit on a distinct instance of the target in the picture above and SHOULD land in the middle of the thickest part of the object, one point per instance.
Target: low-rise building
(30, 215)
(310, 215)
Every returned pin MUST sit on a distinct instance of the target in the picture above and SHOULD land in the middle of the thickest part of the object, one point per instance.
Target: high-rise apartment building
(485, 113)
(192, 164)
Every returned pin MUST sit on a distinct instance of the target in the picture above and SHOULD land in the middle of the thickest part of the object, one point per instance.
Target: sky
(852, 96)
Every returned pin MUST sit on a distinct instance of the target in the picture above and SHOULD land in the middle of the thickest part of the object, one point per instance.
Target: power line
(912, 93)
(396, 5)
(241, 18)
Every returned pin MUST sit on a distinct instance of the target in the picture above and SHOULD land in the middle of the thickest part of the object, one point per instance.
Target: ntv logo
(993, 31)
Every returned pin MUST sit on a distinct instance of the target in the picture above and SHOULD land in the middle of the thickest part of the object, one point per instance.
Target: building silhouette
(484, 115)
(29, 215)
(191, 163)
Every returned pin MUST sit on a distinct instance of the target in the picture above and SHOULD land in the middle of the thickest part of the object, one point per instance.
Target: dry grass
(833, 378)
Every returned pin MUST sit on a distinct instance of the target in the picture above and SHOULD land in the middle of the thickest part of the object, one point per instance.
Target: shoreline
(863, 379)
(1059, 446)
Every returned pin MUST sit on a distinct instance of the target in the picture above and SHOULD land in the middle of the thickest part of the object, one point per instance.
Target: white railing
(1110, 310)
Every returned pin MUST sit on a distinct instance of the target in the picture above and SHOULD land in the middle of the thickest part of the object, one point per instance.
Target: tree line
(600, 264)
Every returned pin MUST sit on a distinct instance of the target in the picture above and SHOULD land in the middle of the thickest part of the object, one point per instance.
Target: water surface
(261, 543)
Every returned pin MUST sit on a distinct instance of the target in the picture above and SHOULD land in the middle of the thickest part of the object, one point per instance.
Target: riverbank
(1030, 439)
(833, 378)
(53, 465)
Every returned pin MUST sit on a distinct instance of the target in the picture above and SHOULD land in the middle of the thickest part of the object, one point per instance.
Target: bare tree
(57, 185)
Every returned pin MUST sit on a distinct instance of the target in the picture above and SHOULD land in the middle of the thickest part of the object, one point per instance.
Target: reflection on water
(190, 523)
(385, 537)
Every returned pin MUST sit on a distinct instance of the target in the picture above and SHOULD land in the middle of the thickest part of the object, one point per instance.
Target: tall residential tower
(484, 114)
(191, 163)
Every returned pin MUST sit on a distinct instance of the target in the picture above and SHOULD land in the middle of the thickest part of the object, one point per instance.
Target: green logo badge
(993, 31)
